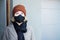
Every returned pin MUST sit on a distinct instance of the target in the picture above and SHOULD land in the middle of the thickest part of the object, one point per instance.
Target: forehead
(19, 12)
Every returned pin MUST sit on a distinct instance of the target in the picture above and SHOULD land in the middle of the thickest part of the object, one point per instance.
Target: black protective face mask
(19, 18)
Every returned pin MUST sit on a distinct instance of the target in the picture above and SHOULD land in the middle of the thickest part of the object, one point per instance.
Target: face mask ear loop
(25, 19)
(12, 19)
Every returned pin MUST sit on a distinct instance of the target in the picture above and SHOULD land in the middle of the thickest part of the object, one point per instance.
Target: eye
(16, 14)
(22, 14)
(19, 13)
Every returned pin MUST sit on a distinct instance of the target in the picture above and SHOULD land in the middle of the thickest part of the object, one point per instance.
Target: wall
(11, 8)
(50, 19)
(2, 16)
(43, 16)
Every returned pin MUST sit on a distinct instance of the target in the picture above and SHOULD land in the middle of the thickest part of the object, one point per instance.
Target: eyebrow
(17, 13)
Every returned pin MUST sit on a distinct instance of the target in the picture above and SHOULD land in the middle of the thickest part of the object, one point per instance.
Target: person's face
(19, 13)
(19, 16)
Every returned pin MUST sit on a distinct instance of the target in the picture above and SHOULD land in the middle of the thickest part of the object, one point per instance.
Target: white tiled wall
(50, 19)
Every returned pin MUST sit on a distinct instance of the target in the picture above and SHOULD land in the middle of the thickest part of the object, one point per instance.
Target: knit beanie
(19, 8)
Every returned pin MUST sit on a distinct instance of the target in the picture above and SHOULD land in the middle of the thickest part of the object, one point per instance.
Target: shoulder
(11, 28)
(9, 33)
(29, 31)
(12, 31)
(30, 28)
(29, 35)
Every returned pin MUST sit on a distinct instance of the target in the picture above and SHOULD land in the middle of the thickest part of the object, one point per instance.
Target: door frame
(8, 12)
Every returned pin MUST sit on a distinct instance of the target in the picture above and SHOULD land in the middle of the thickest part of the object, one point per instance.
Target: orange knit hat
(19, 8)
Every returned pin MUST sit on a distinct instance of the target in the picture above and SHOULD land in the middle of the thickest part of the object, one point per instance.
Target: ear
(25, 19)
(12, 19)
